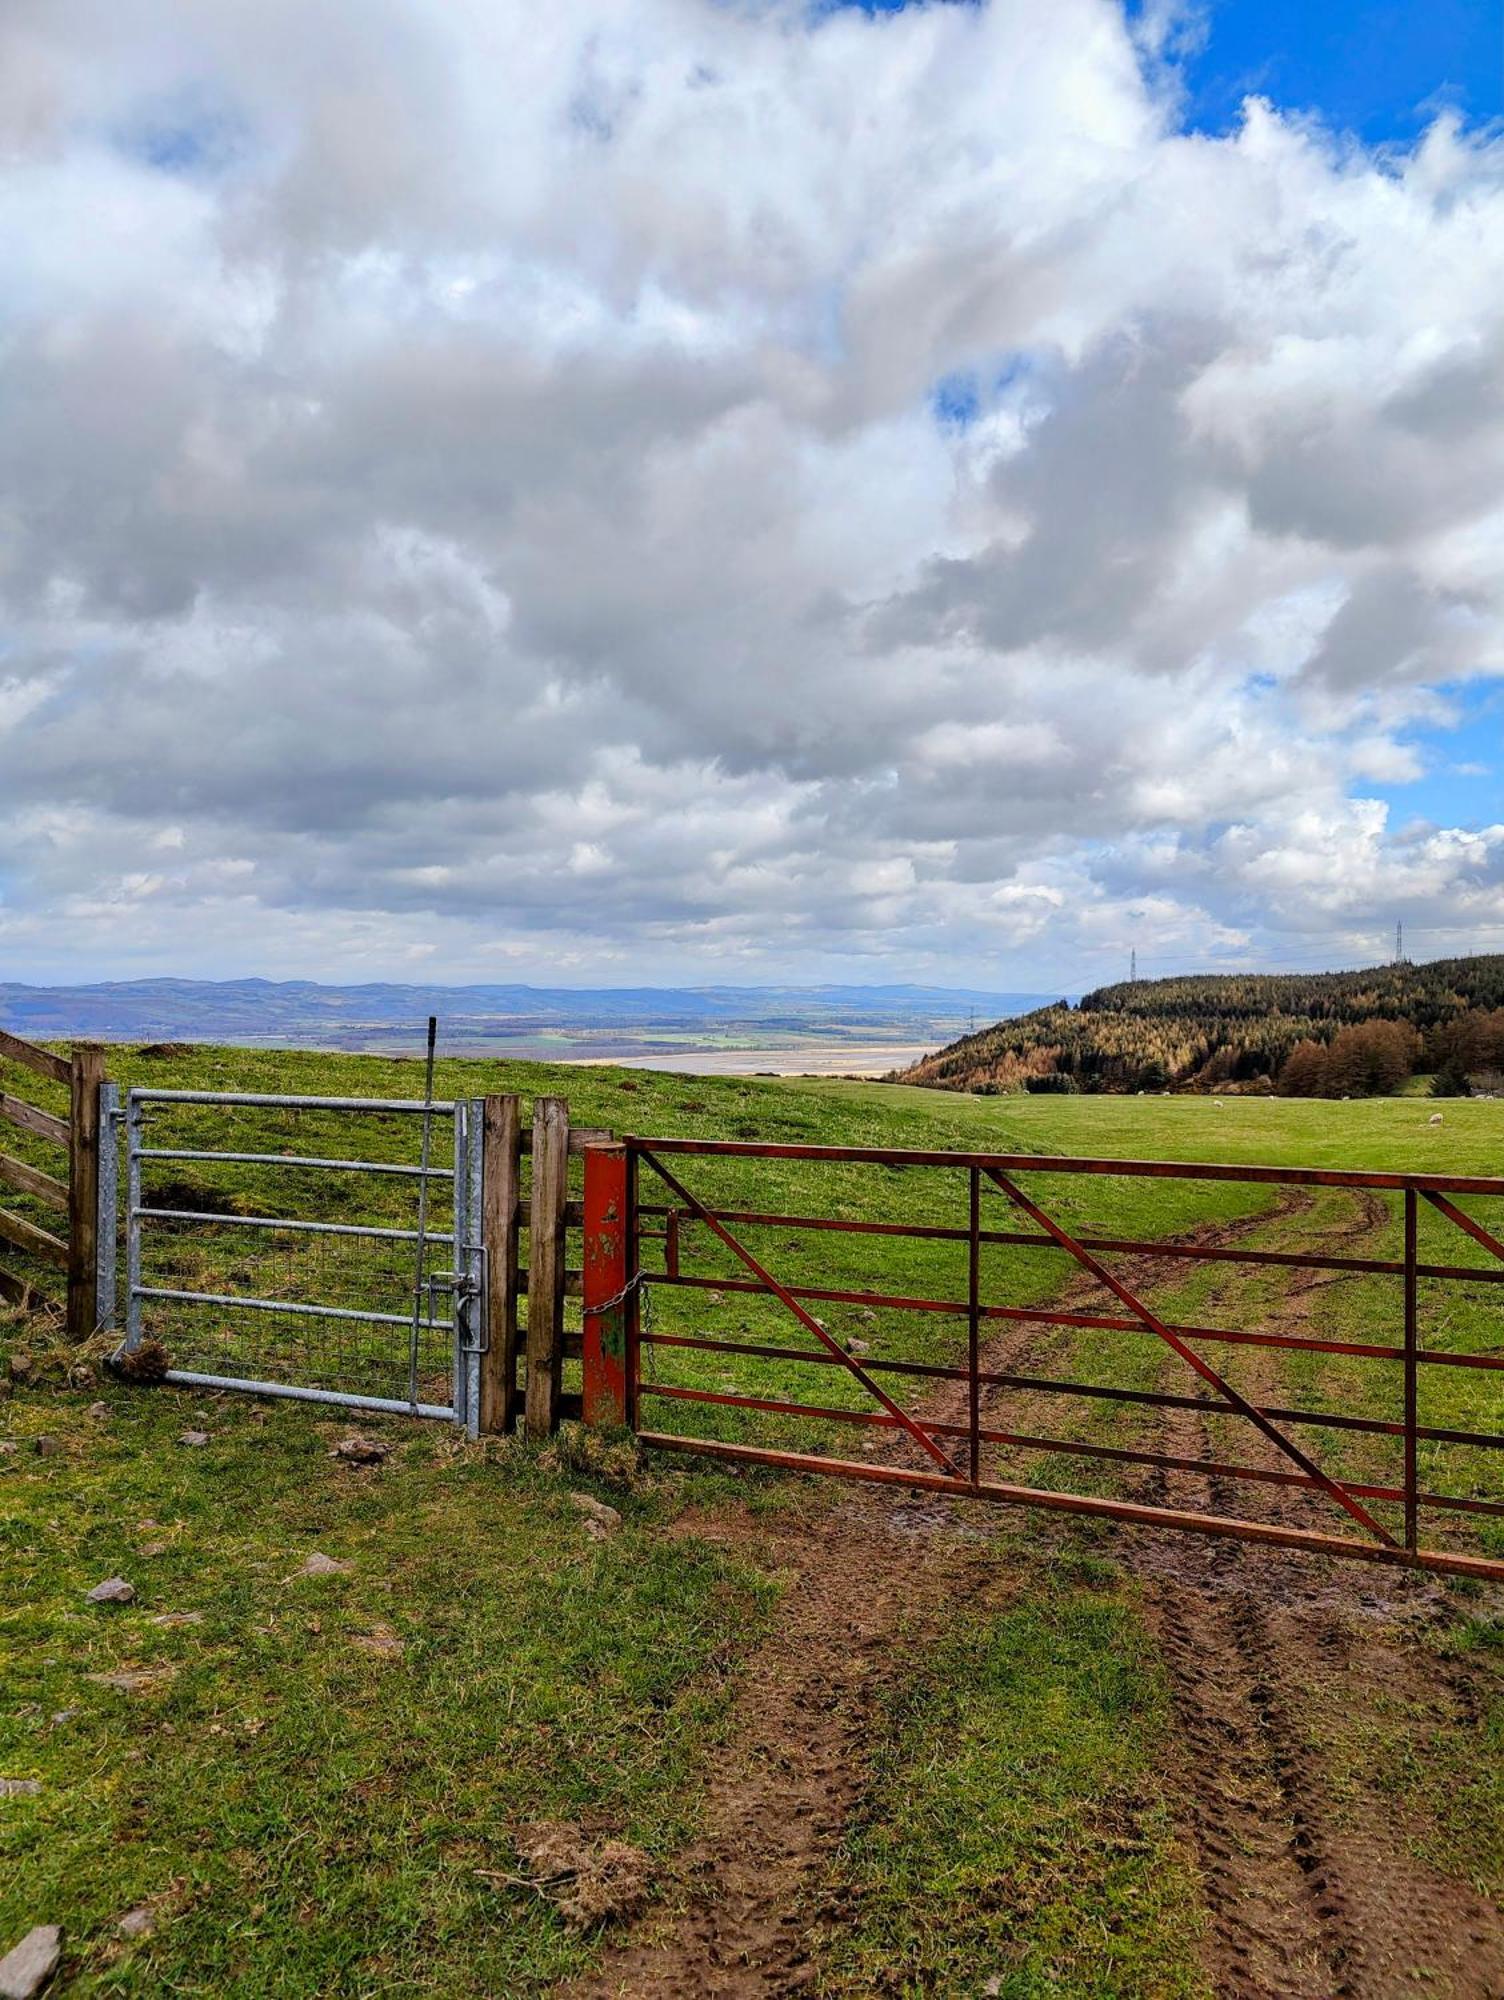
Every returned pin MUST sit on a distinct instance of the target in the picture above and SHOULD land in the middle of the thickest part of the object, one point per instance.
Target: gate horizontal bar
(1080, 1503)
(273, 1101)
(1157, 1398)
(1092, 1322)
(190, 1378)
(1132, 1246)
(294, 1160)
(1209, 1468)
(285, 1306)
(1049, 1163)
(150, 1214)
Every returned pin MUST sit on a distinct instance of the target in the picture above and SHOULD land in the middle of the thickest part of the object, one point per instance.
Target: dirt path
(861, 1591)
(1312, 1886)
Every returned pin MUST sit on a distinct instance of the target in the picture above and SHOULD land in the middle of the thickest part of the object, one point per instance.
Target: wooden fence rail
(78, 1196)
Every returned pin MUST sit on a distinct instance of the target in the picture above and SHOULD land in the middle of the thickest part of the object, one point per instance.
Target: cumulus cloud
(691, 489)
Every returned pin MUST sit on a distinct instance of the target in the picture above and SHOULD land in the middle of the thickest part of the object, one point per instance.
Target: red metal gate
(640, 1211)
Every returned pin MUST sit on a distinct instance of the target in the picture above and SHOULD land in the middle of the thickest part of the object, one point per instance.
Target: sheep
(1434, 1119)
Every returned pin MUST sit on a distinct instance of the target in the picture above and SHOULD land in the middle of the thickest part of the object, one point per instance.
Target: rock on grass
(601, 1521)
(319, 1564)
(26, 1969)
(114, 1590)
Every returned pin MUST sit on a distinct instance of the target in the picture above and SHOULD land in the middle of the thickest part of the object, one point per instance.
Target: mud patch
(738, 1913)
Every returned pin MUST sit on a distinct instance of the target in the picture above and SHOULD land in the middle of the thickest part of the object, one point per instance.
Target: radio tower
(1133, 966)
(1399, 942)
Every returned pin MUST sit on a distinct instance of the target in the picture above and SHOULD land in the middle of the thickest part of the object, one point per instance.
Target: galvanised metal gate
(1424, 1415)
(328, 1305)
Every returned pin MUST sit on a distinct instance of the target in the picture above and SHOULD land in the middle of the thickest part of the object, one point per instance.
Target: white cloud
(472, 487)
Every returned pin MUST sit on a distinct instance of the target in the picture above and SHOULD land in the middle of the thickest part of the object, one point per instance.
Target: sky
(726, 489)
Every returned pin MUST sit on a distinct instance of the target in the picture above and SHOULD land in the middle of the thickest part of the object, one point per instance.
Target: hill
(1319, 1034)
(610, 1023)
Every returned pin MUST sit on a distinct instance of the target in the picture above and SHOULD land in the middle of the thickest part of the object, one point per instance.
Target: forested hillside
(1326, 1034)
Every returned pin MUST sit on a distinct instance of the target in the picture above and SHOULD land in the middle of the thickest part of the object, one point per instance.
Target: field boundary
(82, 1073)
(617, 1278)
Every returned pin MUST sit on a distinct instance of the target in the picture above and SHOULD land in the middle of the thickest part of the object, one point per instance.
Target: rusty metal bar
(1464, 1222)
(1099, 1322)
(1411, 1372)
(974, 1320)
(1048, 1385)
(1204, 1369)
(1050, 1163)
(1209, 1468)
(1133, 1246)
(1138, 1512)
(807, 1320)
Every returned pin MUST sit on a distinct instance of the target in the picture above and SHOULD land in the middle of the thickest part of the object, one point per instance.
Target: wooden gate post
(605, 1284)
(501, 1208)
(545, 1264)
(85, 1074)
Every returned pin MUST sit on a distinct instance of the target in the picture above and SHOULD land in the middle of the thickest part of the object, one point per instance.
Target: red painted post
(607, 1310)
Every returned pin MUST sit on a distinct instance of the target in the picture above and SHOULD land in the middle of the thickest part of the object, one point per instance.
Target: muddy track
(736, 1918)
(1312, 1884)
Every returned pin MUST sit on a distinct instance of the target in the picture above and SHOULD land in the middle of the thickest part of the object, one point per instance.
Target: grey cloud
(495, 502)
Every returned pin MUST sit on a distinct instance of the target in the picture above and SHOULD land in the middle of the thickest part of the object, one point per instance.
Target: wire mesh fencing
(322, 1248)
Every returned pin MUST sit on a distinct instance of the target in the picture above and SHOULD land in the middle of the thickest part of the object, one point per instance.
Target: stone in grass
(26, 1969)
(133, 1680)
(382, 1642)
(19, 1788)
(362, 1450)
(47, 1447)
(193, 1437)
(137, 1923)
(172, 1619)
(601, 1521)
(99, 1409)
(322, 1565)
(114, 1590)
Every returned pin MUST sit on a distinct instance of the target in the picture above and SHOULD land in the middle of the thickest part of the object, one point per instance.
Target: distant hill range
(303, 1013)
(1310, 1034)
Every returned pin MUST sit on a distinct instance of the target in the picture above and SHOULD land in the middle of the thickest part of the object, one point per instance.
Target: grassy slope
(313, 1814)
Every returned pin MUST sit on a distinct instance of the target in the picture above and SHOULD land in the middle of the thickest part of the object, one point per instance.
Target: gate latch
(465, 1291)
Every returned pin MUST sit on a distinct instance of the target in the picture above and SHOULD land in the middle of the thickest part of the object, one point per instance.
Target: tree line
(1332, 1034)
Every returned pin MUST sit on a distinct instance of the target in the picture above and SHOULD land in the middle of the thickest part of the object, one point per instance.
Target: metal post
(134, 1121)
(974, 1317)
(1412, 1510)
(108, 1224)
(634, 1290)
(605, 1285)
(472, 1260)
(459, 1358)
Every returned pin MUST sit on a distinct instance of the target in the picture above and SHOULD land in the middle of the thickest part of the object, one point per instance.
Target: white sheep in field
(1434, 1119)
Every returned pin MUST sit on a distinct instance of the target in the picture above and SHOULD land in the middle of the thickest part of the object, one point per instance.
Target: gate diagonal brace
(806, 1320)
(1464, 1222)
(1187, 1354)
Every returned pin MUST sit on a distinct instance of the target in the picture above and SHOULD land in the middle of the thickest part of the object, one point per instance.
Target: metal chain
(634, 1283)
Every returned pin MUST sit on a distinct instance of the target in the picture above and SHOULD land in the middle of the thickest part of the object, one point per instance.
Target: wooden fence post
(501, 1201)
(604, 1277)
(85, 1074)
(545, 1264)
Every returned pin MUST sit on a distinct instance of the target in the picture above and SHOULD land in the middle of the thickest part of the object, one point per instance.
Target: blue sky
(1376, 70)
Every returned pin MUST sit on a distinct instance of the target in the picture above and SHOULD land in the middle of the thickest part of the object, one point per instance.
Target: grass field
(315, 1785)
